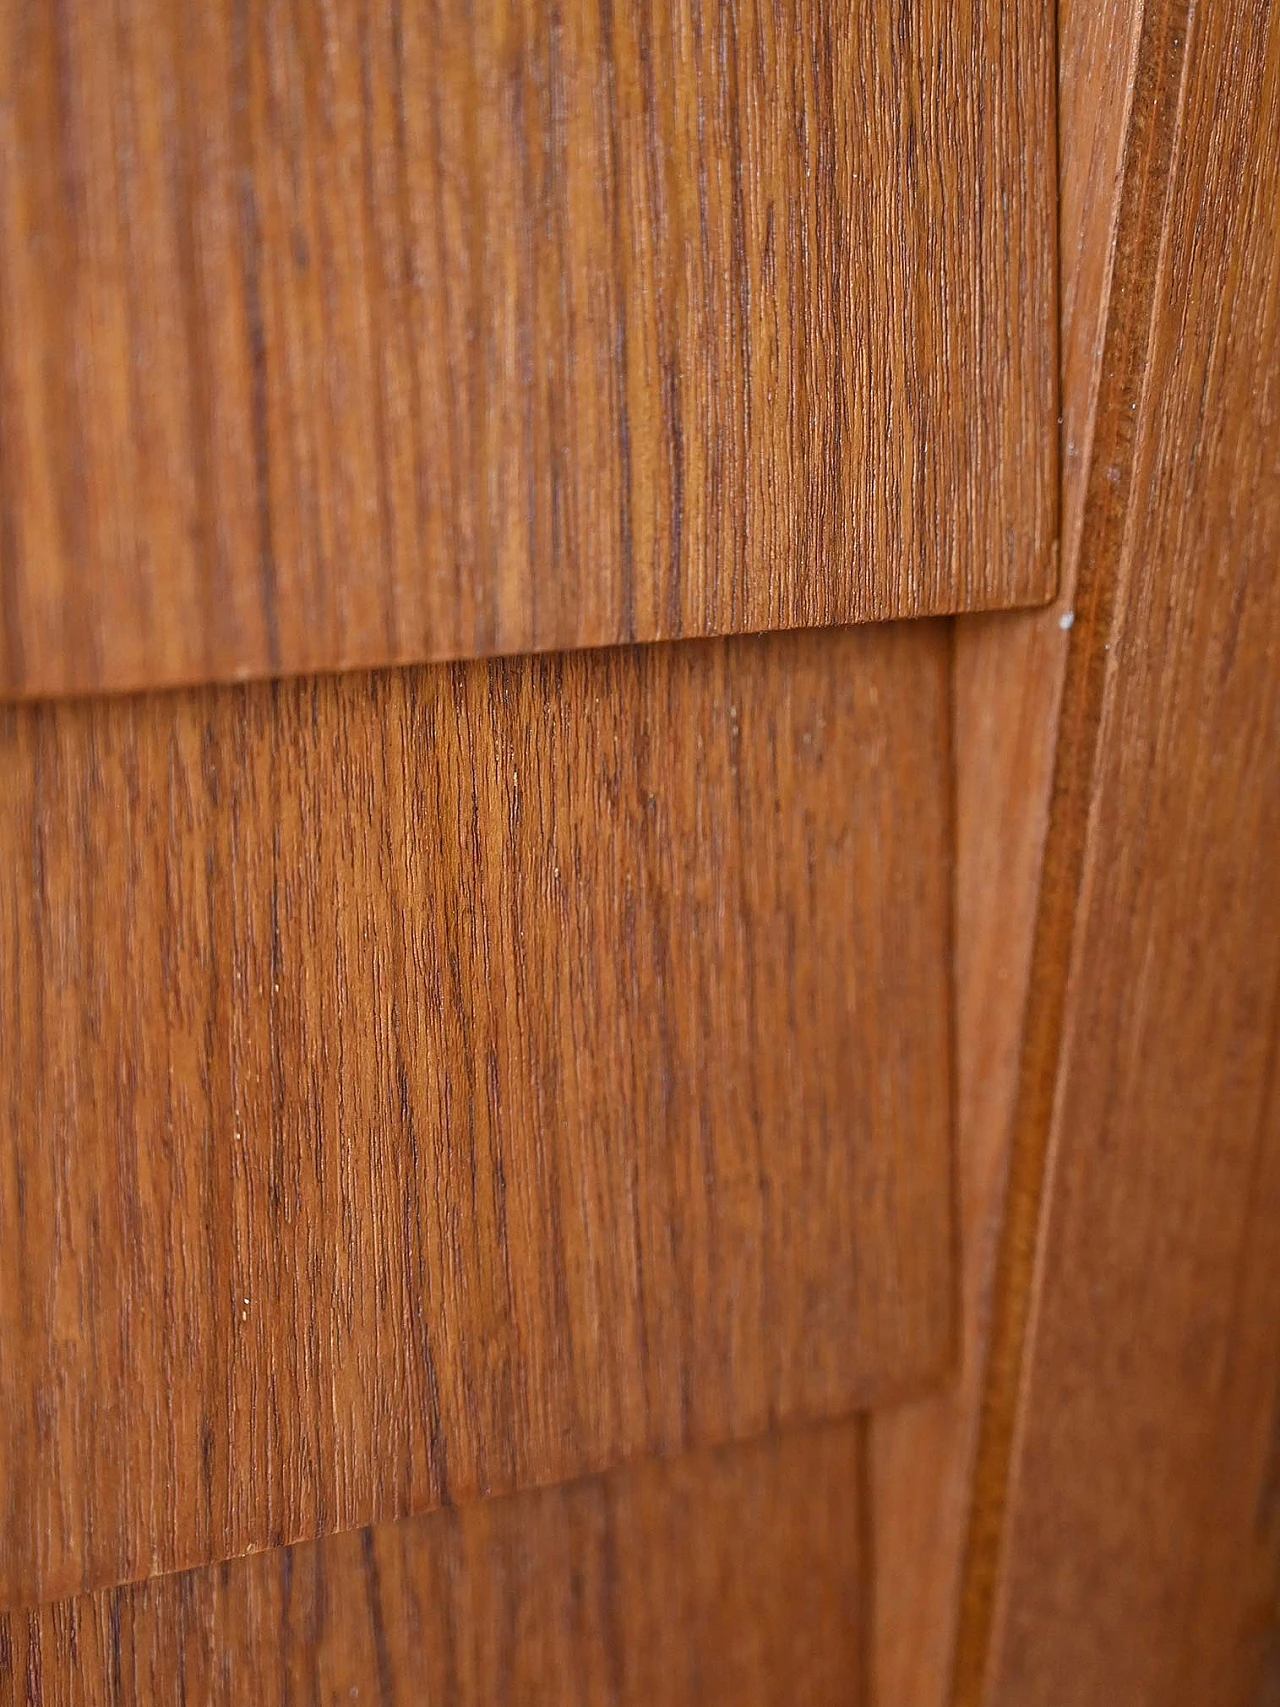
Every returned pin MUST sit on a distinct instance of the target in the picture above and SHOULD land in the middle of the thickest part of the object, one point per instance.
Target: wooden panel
(351, 335)
(1127, 1533)
(1008, 674)
(732, 1577)
(425, 1085)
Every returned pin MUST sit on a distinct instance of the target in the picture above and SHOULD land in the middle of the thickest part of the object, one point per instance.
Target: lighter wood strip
(1008, 677)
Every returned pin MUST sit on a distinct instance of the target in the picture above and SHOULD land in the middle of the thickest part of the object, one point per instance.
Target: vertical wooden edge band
(1149, 150)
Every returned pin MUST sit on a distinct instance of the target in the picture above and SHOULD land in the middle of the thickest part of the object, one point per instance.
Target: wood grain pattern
(1126, 1543)
(718, 1577)
(346, 335)
(425, 1085)
(1008, 675)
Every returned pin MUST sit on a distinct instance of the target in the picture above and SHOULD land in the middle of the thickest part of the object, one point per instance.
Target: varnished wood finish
(1008, 673)
(347, 335)
(1126, 1543)
(728, 1577)
(430, 1084)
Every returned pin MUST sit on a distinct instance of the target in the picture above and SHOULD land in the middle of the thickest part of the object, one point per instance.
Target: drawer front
(728, 1577)
(430, 1084)
(335, 336)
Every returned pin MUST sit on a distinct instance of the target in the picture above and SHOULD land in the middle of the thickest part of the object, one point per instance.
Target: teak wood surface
(729, 1577)
(1115, 1417)
(350, 335)
(423, 1085)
